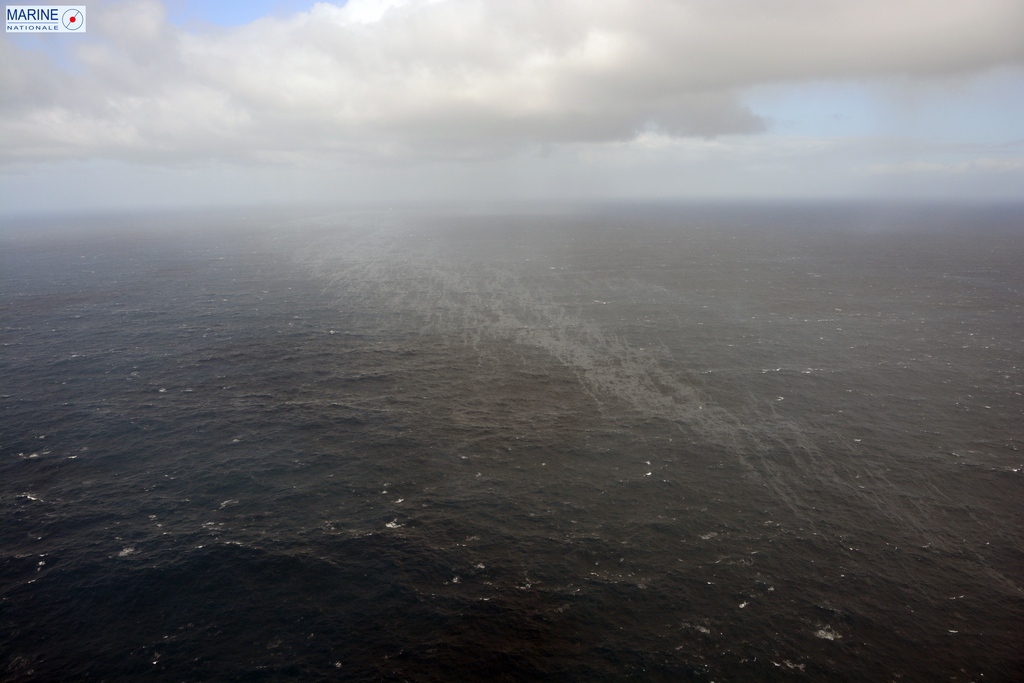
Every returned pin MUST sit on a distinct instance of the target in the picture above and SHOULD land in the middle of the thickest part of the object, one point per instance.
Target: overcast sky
(193, 103)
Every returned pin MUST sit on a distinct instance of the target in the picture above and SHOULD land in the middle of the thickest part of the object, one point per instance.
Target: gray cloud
(392, 81)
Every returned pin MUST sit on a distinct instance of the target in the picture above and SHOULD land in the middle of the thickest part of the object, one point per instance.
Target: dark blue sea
(628, 442)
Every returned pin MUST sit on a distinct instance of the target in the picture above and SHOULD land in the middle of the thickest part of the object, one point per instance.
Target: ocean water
(653, 443)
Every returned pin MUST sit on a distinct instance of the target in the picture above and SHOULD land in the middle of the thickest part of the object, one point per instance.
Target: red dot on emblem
(72, 20)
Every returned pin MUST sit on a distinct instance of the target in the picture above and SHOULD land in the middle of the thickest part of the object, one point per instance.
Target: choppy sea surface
(628, 443)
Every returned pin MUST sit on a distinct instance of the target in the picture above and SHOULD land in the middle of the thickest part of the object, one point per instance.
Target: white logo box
(45, 18)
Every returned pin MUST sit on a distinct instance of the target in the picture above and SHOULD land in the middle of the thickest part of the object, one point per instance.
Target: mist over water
(661, 443)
